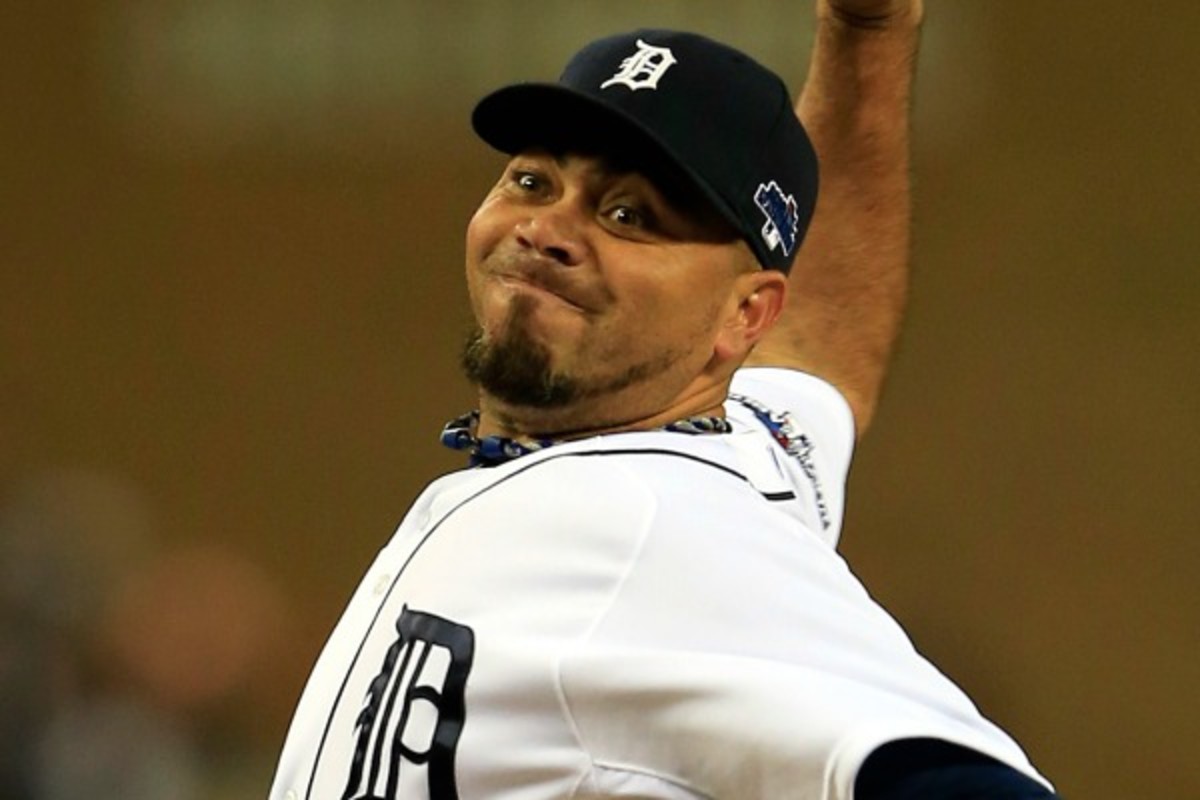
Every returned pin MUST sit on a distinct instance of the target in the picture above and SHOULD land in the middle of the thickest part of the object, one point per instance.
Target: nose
(552, 232)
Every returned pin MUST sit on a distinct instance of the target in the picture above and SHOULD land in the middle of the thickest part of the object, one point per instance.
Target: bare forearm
(848, 286)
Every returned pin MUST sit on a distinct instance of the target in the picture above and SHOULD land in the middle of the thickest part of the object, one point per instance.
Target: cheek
(652, 302)
(682, 321)
(483, 234)
(643, 326)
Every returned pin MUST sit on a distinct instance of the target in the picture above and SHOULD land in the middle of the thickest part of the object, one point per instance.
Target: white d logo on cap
(643, 69)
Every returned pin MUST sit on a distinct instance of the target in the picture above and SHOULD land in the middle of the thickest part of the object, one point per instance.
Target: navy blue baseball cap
(686, 106)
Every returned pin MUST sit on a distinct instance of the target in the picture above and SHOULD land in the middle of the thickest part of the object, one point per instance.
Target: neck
(580, 421)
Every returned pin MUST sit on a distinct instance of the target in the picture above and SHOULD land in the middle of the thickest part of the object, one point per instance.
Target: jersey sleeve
(740, 657)
(812, 428)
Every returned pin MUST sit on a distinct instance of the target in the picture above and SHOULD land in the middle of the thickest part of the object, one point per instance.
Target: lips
(532, 287)
(538, 277)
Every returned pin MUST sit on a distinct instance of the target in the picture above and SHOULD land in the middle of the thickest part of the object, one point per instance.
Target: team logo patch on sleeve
(407, 732)
(782, 217)
(796, 444)
(644, 68)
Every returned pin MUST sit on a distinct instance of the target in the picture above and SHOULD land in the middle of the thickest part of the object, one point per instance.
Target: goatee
(516, 369)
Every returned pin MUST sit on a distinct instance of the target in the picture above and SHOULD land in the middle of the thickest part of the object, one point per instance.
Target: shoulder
(621, 482)
(571, 481)
(647, 464)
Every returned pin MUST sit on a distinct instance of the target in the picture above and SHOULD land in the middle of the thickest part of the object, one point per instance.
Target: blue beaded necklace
(459, 434)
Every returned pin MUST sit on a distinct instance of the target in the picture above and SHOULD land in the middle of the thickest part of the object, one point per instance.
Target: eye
(629, 217)
(527, 181)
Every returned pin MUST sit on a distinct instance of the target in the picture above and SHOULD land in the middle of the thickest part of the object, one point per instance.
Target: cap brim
(560, 119)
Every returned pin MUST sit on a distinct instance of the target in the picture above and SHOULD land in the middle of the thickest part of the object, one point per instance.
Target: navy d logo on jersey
(782, 217)
(414, 711)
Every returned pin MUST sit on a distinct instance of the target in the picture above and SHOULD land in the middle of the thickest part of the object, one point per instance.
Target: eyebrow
(606, 163)
(680, 197)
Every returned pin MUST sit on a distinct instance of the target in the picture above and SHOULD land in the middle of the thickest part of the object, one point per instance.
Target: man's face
(598, 301)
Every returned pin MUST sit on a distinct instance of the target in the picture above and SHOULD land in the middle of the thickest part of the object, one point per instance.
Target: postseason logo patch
(782, 217)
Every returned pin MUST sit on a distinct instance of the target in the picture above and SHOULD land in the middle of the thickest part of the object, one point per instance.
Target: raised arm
(848, 287)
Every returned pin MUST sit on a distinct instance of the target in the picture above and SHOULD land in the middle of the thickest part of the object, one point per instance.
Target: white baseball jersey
(649, 615)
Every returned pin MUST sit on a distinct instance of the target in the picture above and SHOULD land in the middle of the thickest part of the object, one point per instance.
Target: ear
(759, 298)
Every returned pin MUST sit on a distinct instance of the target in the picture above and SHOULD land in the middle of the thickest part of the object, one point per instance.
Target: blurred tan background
(231, 310)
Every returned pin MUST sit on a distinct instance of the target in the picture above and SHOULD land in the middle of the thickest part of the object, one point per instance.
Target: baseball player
(633, 589)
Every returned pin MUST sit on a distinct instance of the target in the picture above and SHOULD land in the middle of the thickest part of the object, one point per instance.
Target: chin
(516, 368)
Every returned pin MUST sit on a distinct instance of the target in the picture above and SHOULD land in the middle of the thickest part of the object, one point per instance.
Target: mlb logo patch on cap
(782, 217)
